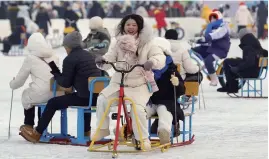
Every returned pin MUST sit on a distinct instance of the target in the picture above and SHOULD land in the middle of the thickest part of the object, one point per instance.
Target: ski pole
(10, 112)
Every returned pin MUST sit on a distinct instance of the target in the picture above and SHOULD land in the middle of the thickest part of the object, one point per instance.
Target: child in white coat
(34, 64)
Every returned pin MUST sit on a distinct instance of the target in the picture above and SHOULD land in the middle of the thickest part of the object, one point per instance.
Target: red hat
(242, 3)
(215, 13)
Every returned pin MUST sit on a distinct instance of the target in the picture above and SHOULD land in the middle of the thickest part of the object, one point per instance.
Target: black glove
(54, 68)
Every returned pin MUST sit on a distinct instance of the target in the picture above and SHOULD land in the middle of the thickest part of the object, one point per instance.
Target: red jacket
(160, 18)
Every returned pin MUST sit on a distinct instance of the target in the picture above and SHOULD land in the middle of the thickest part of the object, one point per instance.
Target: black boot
(222, 89)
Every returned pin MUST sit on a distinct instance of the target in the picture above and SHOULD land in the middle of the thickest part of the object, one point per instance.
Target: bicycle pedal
(114, 116)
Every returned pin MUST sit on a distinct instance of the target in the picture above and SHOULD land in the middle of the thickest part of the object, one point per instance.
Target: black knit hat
(171, 34)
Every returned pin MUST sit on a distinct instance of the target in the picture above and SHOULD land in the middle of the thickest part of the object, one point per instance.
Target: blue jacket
(220, 41)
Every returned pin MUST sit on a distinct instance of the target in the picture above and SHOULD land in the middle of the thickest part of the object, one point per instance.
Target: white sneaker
(164, 136)
(213, 79)
(102, 133)
(147, 144)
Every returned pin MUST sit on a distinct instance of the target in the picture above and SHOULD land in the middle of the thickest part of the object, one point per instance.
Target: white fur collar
(145, 35)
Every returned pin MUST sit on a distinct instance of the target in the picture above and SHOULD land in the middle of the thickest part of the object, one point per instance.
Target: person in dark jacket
(42, 19)
(247, 67)
(217, 35)
(71, 18)
(12, 13)
(96, 10)
(78, 66)
(162, 102)
(262, 15)
(15, 37)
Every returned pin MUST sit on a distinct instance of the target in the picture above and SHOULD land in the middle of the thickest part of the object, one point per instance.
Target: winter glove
(234, 70)
(201, 40)
(148, 65)
(100, 45)
(174, 80)
(99, 60)
(54, 68)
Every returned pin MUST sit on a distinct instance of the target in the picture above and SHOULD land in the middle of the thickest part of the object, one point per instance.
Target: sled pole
(175, 99)
(10, 112)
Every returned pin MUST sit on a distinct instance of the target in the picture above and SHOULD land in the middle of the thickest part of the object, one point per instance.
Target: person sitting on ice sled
(78, 66)
(140, 50)
(218, 44)
(34, 64)
(162, 102)
(98, 40)
(246, 67)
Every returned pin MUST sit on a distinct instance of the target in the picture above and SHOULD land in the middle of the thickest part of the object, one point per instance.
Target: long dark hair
(137, 18)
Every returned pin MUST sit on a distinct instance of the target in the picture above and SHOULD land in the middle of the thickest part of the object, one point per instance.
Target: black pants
(260, 30)
(160, 31)
(231, 78)
(62, 102)
(240, 27)
(197, 77)
(29, 116)
(6, 46)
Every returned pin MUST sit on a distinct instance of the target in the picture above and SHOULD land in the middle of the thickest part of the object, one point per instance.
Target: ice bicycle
(126, 131)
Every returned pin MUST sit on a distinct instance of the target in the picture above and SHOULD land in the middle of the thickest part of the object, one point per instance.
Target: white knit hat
(96, 22)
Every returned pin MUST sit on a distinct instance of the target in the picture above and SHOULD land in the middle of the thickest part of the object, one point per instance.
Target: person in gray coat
(98, 40)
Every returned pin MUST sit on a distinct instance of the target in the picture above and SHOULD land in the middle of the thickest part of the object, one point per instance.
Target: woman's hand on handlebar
(148, 65)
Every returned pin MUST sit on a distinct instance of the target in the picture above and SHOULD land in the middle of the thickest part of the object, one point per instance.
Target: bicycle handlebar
(123, 71)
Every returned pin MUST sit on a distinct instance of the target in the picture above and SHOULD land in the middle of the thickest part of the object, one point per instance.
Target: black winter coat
(165, 95)
(252, 51)
(78, 66)
(42, 20)
(71, 16)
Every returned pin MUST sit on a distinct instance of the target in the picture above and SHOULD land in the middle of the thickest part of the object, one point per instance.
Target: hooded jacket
(35, 66)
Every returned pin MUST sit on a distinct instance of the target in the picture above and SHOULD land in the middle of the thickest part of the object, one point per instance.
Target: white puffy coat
(182, 57)
(243, 16)
(136, 85)
(34, 65)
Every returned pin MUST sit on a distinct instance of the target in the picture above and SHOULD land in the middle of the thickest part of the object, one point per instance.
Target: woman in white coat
(135, 83)
(243, 17)
(34, 64)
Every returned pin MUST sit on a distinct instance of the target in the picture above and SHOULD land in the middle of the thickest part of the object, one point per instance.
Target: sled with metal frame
(121, 103)
(192, 89)
(96, 84)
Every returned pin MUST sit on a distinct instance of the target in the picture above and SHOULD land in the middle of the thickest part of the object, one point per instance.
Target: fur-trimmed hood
(144, 37)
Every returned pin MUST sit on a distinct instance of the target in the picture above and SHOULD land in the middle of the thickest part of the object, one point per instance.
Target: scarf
(213, 25)
(158, 73)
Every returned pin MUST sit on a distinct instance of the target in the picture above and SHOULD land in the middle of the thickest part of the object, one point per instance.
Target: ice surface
(228, 128)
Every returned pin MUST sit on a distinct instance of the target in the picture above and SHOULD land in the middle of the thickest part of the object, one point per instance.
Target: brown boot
(30, 134)
(87, 133)
(29, 126)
